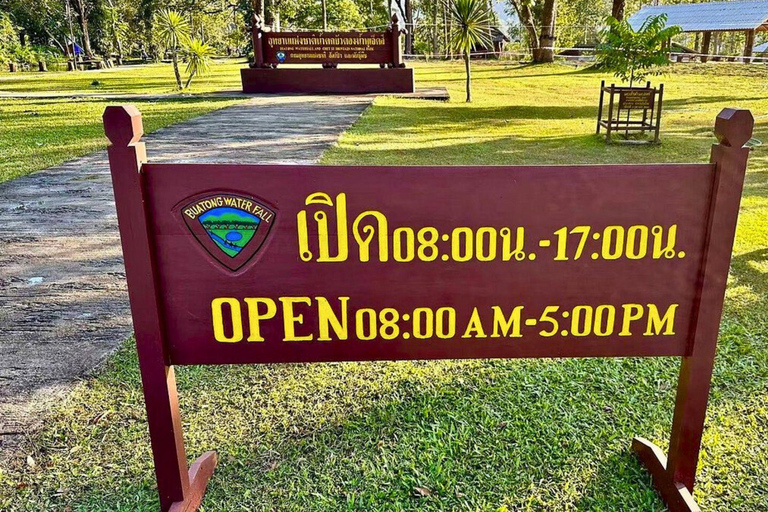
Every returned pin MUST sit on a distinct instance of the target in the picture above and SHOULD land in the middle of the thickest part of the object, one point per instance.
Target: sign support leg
(674, 478)
(179, 489)
(658, 115)
(600, 107)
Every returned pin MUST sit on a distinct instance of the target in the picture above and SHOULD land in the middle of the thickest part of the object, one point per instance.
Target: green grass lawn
(147, 79)
(478, 435)
(39, 133)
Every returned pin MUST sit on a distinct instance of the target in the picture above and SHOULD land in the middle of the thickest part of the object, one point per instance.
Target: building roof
(498, 36)
(713, 16)
(761, 48)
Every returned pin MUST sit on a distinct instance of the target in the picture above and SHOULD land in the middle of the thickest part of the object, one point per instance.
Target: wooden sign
(327, 47)
(630, 109)
(636, 99)
(271, 50)
(275, 263)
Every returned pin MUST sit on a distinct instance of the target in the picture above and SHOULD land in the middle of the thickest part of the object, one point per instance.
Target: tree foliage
(635, 54)
(198, 55)
(123, 29)
(9, 38)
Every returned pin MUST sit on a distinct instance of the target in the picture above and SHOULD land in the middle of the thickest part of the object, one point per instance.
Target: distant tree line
(120, 29)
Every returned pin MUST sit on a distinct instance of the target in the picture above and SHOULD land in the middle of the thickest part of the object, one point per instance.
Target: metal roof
(761, 48)
(713, 16)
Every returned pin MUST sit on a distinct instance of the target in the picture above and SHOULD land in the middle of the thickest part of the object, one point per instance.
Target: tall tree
(118, 28)
(406, 13)
(524, 10)
(471, 19)
(83, 9)
(435, 34)
(547, 37)
(538, 19)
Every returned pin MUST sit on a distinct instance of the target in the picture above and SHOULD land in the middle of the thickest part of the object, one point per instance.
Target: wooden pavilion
(738, 16)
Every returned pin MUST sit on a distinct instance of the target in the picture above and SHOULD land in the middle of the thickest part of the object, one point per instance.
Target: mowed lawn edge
(477, 435)
(43, 133)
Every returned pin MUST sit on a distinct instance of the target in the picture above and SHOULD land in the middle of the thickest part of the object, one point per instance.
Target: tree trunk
(82, 19)
(269, 14)
(116, 35)
(435, 42)
(258, 8)
(325, 14)
(618, 9)
(175, 59)
(469, 76)
(525, 14)
(546, 52)
(492, 49)
(446, 32)
(409, 27)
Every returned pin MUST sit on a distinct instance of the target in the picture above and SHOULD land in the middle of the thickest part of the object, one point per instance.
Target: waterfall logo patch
(232, 228)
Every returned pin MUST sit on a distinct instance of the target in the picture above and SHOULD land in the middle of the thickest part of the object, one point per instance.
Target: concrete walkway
(63, 301)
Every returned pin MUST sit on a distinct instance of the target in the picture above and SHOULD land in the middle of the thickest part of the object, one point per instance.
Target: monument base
(327, 81)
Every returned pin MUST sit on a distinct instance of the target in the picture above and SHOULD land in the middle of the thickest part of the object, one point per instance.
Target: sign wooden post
(179, 489)
(242, 264)
(733, 129)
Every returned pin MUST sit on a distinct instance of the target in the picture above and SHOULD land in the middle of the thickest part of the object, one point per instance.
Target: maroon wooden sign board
(328, 48)
(269, 263)
(273, 50)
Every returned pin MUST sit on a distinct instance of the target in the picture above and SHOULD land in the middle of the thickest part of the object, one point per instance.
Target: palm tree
(198, 56)
(471, 21)
(173, 32)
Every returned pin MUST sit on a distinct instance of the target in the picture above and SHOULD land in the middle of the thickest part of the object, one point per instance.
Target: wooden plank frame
(651, 116)
(181, 488)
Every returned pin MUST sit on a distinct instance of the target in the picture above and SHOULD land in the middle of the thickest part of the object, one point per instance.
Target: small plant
(198, 55)
(471, 21)
(173, 34)
(634, 54)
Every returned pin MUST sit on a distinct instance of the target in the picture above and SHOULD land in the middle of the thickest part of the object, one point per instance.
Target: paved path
(63, 302)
